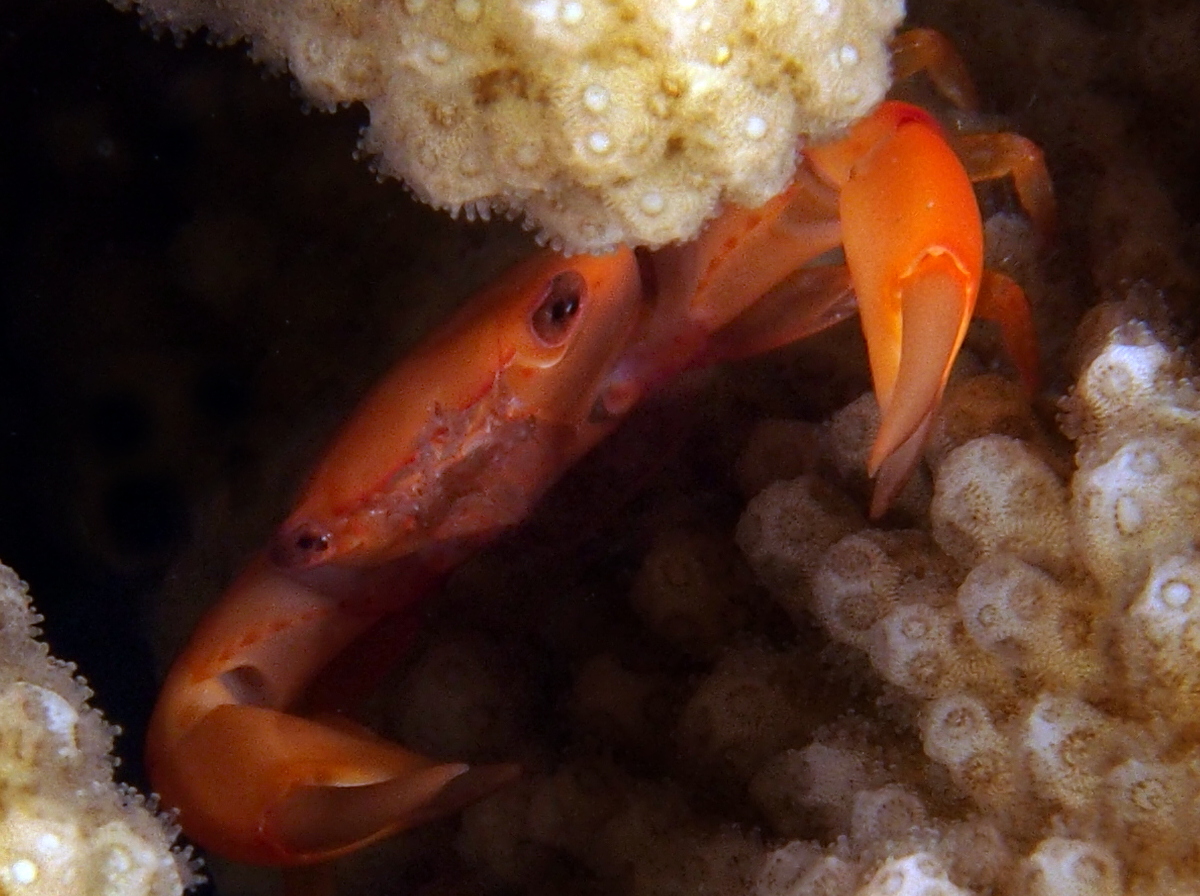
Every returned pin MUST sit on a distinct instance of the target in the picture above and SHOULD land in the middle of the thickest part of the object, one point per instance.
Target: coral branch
(66, 828)
(600, 122)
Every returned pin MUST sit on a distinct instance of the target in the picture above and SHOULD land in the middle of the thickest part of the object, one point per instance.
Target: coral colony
(1039, 633)
(66, 829)
(1005, 701)
(599, 122)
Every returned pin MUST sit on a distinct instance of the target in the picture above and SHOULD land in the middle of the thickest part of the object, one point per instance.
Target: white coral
(920, 874)
(801, 869)
(985, 494)
(916, 647)
(1035, 625)
(66, 829)
(958, 732)
(1159, 636)
(601, 123)
(1055, 690)
(1141, 504)
(1065, 867)
(865, 576)
(1071, 746)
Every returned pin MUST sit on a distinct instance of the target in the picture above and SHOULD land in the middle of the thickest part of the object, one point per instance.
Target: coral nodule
(1000, 699)
(601, 123)
(66, 829)
(1039, 633)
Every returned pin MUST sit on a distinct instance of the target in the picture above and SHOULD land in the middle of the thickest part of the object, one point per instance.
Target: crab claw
(935, 307)
(255, 781)
(914, 246)
(260, 785)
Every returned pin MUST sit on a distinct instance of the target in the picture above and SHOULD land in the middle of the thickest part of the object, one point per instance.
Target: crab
(250, 740)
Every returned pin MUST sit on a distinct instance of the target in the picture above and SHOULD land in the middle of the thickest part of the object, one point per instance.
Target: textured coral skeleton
(601, 123)
(1054, 682)
(66, 829)
(1023, 659)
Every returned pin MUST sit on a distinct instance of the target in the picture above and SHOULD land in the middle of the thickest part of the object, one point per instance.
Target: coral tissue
(1041, 633)
(1000, 698)
(66, 829)
(601, 122)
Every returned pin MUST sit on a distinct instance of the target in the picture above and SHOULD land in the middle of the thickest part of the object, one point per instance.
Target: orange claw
(914, 246)
(913, 240)
(256, 782)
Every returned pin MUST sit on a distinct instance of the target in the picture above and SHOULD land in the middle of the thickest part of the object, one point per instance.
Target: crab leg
(1002, 301)
(805, 303)
(993, 156)
(931, 52)
(258, 783)
(741, 288)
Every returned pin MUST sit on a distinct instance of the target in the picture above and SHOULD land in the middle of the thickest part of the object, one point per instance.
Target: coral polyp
(599, 122)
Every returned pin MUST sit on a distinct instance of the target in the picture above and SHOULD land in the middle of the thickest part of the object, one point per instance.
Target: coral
(818, 778)
(741, 714)
(1159, 637)
(66, 829)
(1054, 675)
(600, 122)
(1062, 867)
(803, 511)
(995, 709)
(687, 591)
(1033, 624)
(958, 732)
(916, 875)
(1136, 498)
(976, 517)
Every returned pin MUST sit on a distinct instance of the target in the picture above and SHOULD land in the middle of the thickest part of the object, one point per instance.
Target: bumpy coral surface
(65, 828)
(1000, 698)
(1041, 642)
(600, 122)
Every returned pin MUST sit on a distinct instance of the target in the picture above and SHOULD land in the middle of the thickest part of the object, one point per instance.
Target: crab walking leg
(993, 156)
(805, 303)
(1003, 301)
(256, 782)
(913, 240)
(931, 52)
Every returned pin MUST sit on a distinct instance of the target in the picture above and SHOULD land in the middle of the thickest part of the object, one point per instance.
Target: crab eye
(560, 306)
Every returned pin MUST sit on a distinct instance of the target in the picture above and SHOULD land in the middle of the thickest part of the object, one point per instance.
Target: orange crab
(463, 436)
